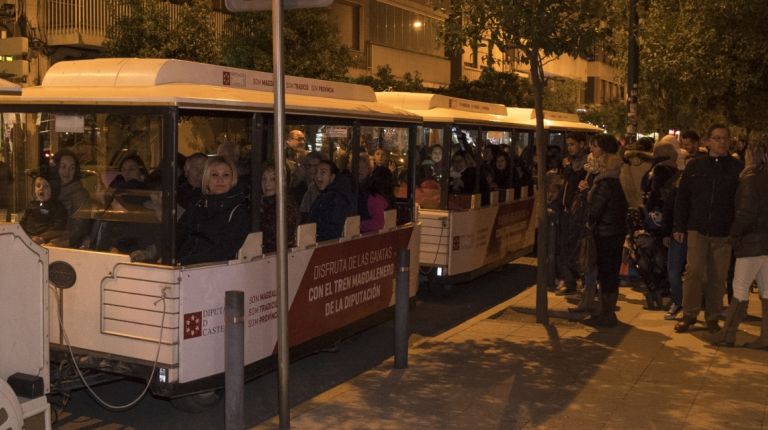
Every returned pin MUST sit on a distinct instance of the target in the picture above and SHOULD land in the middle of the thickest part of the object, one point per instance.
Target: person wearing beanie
(607, 215)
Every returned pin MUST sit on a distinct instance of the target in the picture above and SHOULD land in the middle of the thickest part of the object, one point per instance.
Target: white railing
(90, 19)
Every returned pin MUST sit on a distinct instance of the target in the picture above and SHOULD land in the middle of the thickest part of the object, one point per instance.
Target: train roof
(186, 84)
(553, 120)
(450, 110)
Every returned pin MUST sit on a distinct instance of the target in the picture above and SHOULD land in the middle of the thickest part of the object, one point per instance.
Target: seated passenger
(233, 153)
(375, 199)
(311, 161)
(428, 190)
(45, 218)
(216, 227)
(129, 221)
(72, 195)
(502, 171)
(334, 204)
(190, 188)
(268, 212)
(462, 180)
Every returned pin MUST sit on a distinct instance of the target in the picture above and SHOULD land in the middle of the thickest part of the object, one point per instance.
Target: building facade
(404, 34)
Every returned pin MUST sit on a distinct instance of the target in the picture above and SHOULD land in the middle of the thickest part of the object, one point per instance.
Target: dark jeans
(675, 266)
(566, 243)
(609, 262)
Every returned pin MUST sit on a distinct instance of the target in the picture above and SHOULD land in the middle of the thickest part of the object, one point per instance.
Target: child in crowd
(45, 218)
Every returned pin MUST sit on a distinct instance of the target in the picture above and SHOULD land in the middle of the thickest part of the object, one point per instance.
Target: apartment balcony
(84, 23)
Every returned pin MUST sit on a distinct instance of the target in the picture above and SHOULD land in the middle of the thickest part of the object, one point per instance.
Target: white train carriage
(468, 234)
(128, 317)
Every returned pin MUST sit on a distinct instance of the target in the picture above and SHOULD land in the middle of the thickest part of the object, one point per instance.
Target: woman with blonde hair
(749, 237)
(214, 228)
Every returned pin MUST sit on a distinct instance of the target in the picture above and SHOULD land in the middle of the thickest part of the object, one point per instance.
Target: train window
(105, 170)
(431, 168)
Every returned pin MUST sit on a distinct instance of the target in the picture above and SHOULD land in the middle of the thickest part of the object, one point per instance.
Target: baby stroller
(649, 256)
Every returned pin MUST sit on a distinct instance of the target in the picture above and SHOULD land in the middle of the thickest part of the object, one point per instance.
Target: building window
(404, 29)
(347, 17)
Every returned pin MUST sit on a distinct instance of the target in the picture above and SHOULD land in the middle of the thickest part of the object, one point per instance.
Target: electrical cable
(104, 403)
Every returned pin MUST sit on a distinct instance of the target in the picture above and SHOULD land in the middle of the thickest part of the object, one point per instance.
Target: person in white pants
(749, 236)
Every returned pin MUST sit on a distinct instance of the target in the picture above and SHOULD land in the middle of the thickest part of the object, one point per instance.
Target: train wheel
(197, 403)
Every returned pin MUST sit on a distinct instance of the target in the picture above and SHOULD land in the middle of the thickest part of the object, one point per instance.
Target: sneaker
(673, 311)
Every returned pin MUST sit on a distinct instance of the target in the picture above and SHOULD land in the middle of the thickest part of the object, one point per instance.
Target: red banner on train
(344, 283)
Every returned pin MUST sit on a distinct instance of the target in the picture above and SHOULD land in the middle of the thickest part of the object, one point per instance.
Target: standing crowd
(689, 216)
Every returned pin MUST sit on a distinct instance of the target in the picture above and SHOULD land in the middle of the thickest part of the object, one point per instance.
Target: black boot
(607, 316)
(734, 315)
(587, 302)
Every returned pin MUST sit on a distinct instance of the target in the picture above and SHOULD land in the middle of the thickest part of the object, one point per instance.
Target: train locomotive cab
(129, 131)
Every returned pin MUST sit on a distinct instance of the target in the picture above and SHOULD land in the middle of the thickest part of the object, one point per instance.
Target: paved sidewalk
(501, 370)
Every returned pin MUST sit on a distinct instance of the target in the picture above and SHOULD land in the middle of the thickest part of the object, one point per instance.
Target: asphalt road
(309, 376)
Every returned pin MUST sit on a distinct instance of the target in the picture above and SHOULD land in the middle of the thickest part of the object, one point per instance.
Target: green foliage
(611, 115)
(144, 31)
(193, 38)
(384, 80)
(493, 87)
(562, 95)
(312, 45)
(701, 62)
(541, 28)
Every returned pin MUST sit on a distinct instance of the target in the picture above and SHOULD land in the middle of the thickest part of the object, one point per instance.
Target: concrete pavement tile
(643, 422)
(711, 411)
(499, 328)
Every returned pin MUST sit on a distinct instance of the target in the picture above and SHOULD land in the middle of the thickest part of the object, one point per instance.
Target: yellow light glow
(417, 24)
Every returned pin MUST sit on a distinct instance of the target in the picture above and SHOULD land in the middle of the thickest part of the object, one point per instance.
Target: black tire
(198, 402)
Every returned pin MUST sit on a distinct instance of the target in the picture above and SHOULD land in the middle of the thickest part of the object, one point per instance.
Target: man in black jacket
(704, 211)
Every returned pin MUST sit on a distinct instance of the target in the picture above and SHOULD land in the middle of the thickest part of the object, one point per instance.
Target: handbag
(585, 254)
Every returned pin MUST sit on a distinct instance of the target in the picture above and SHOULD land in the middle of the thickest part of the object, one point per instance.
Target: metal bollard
(234, 360)
(401, 308)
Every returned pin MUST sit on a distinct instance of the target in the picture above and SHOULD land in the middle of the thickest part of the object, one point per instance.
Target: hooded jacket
(45, 219)
(214, 229)
(607, 204)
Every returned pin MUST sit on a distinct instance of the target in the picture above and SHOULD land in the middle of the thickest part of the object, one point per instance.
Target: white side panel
(23, 305)
(435, 238)
(116, 307)
(202, 308)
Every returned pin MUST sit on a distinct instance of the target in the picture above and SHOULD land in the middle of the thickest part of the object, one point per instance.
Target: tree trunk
(542, 239)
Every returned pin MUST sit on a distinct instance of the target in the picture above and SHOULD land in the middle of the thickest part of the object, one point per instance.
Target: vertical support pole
(633, 72)
(401, 308)
(234, 359)
(283, 351)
